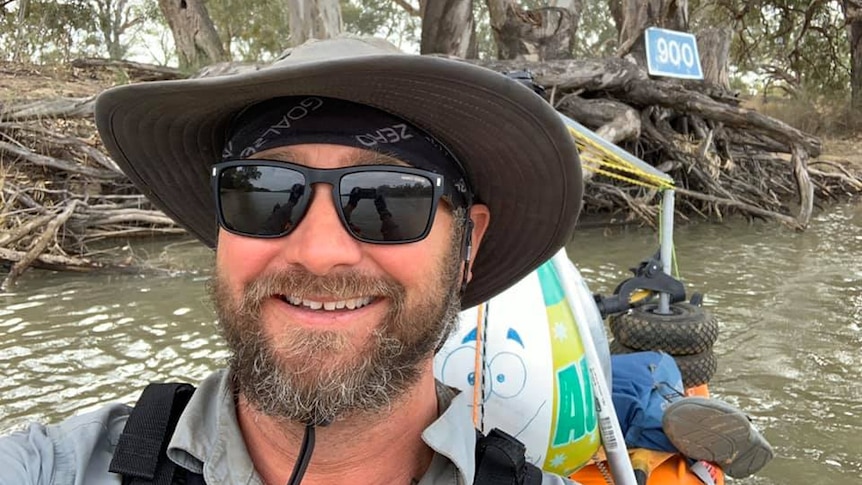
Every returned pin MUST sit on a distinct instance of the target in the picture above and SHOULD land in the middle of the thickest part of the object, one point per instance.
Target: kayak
(521, 356)
(663, 468)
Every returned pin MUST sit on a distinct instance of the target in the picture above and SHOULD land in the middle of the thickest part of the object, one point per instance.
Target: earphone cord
(304, 456)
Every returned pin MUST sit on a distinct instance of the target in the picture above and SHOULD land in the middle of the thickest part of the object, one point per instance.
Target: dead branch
(723, 158)
(24, 229)
(49, 108)
(672, 95)
(803, 182)
(38, 246)
(60, 139)
(784, 219)
(53, 262)
(51, 162)
(135, 70)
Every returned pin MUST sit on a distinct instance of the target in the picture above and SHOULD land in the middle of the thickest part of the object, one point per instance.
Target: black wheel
(687, 330)
(618, 348)
(696, 369)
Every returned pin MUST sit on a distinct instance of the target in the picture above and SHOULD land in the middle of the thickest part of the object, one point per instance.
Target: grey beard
(294, 378)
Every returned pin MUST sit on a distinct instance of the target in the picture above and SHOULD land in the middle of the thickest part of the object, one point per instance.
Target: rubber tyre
(696, 369)
(688, 330)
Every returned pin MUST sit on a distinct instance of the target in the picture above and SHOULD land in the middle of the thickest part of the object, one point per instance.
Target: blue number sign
(672, 54)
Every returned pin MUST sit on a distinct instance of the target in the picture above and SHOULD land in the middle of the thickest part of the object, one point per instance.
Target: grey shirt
(207, 440)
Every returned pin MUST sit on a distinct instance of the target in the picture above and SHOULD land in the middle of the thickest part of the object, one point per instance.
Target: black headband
(297, 120)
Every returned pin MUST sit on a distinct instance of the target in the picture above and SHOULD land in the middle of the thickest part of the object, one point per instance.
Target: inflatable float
(522, 357)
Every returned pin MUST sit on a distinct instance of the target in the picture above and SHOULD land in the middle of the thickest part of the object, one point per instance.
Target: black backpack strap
(141, 453)
(500, 460)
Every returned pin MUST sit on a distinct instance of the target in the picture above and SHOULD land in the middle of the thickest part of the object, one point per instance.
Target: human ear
(480, 216)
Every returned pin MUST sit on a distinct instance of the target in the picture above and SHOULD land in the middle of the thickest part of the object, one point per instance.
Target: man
(332, 320)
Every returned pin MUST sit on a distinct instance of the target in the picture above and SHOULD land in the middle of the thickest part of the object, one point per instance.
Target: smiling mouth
(349, 304)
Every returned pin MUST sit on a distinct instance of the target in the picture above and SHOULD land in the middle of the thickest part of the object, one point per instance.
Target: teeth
(314, 305)
(350, 304)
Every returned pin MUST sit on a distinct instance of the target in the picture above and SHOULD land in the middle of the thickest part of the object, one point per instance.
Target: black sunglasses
(381, 204)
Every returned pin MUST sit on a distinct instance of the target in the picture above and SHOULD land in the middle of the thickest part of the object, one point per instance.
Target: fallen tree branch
(803, 183)
(672, 95)
(844, 176)
(785, 219)
(64, 140)
(135, 70)
(23, 230)
(115, 216)
(55, 163)
(49, 108)
(53, 262)
(38, 247)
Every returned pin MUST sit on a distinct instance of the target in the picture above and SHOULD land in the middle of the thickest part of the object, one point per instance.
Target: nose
(320, 243)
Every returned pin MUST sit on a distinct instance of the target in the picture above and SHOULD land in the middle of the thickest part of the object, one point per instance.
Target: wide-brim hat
(518, 156)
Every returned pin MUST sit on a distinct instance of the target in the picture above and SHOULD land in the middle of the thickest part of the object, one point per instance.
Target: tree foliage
(251, 30)
(46, 31)
(397, 20)
(797, 46)
(793, 47)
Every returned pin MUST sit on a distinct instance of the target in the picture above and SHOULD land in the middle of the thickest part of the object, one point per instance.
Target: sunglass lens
(386, 206)
(262, 201)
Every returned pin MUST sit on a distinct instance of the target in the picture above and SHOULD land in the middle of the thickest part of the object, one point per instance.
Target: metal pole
(609, 427)
(667, 203)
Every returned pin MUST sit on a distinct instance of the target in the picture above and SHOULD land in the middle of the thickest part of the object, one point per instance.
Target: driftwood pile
(61, 195)
(725, 159)
(63, 201)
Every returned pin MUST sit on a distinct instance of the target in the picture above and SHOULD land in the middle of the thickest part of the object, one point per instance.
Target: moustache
(300, 283)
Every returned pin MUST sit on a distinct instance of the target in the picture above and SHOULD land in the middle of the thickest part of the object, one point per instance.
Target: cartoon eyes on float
(506, 372)
(459, 368)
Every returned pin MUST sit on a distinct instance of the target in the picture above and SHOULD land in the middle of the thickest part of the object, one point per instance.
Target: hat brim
(519, 158)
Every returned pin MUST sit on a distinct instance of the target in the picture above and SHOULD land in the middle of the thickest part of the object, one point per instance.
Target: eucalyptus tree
(46, 31)
(853, 21)
(196, 39)
(797, 46)
(313, 19)
(448, 27)
(251, 30)
(114, 19)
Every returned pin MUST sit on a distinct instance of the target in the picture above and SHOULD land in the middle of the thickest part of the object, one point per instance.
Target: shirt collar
(453, 434)
(208, 439)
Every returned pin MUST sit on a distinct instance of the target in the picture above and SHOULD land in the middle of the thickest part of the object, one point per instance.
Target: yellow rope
(623, 178)
(594, 153)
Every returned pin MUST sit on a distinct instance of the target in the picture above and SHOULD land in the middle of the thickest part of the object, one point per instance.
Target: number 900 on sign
(672, 52)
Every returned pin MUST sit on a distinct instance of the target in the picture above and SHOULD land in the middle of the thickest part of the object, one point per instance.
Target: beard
(314, 376)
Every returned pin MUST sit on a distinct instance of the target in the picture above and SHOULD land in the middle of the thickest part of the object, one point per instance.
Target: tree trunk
(20, 29)
(447, 27)
(535, 35)
(313, 19)
(853, 14)
(197, 41)
(112, 24)
(632, 17)
(713, 45)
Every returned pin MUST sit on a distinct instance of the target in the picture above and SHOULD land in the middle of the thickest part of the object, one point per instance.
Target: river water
(790, 348)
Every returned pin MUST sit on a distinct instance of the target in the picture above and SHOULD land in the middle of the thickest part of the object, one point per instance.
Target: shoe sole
(710, 430)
